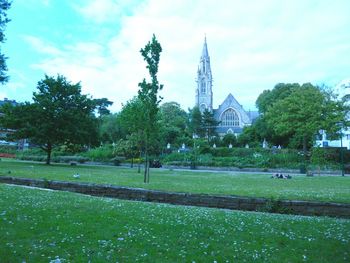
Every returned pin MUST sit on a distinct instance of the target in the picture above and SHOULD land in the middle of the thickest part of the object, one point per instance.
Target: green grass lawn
(318, 188)
(41, 225)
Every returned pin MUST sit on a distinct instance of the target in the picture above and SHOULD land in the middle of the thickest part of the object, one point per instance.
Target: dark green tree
(196, 122)
(59, 115)
(4, 7)
(102, 106)
(209, 124)
(148, 95)
(111, 128)
(229, 139)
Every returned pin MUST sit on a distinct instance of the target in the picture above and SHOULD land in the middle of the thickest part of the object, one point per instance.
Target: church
(231, 116)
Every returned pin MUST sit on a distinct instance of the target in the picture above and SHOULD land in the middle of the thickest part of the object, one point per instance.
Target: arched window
(203, 107)
(203, 88)
(229, 118)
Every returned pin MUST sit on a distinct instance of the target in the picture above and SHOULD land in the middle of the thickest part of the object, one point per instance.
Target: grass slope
(40, 226)
(318, 188)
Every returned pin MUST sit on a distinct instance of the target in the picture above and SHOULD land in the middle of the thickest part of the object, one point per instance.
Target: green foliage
(196, 122)
(55, 159)
(303, 112)
(229, 139)
(8, 149)
(238, 157)
(172, 122)
(111, 128)
(4, 7)
(209, 124)
(148, 96)
(269, 97)
(100, 154)
(59, 115)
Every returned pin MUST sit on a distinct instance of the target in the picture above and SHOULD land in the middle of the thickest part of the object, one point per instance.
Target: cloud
(253, 45)
(101, 11)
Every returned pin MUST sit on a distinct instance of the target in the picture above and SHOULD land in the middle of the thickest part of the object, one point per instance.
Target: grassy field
(319, 188)
(41, 225)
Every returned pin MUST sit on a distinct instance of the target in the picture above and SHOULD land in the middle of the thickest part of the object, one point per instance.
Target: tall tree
(59, 114)
(4, 6)
(148, 95)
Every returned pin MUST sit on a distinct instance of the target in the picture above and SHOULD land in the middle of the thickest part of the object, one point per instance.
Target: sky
(253, 45)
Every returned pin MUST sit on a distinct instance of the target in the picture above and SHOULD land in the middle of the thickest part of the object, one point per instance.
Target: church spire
(205, 49)
(204, 94)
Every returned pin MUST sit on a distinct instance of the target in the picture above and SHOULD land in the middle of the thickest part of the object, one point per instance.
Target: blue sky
(253, 45)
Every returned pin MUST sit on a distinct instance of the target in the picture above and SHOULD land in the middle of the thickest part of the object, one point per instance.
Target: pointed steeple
(205, 54)
(204, 94)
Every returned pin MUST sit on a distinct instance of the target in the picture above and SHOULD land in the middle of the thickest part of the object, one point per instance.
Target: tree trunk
(145, 172)
(148, 171)
(304, 145)
(132, 162)
(139, 164)
(48, 150)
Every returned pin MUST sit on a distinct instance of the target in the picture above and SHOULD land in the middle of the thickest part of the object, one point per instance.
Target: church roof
(231, 102)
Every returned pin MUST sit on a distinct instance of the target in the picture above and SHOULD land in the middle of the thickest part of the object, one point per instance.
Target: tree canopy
(305, 111)
(59, 114)
(4, 7)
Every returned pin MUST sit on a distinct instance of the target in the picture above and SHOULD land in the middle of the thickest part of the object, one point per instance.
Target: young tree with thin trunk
(148, 95)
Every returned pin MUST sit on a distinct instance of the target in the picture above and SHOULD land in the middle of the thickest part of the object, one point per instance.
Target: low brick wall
(215, 201)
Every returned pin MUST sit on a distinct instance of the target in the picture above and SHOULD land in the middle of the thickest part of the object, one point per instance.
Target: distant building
(231, 115)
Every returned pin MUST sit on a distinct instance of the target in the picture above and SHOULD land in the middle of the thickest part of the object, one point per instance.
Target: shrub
(102, 154)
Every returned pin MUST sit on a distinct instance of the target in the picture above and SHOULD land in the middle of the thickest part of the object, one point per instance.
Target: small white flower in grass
(120, 238)
(76, 176)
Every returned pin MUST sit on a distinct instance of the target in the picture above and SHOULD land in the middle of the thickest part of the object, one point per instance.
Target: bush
(8, 149)
(35, 158)
(100, 154)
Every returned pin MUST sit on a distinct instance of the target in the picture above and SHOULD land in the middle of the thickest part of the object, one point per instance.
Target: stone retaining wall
(215, 201)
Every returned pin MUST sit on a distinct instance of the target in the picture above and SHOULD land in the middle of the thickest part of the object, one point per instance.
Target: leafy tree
(269, 97)
(111, 129)
(102, 106)
(128, 148)
(209, 124)
(131, 122)
(59, 115)
(304, 112)
(248, 136)
(4, 6)
(173, 122)
(196, 122)
(229, 139)
(148, 95)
